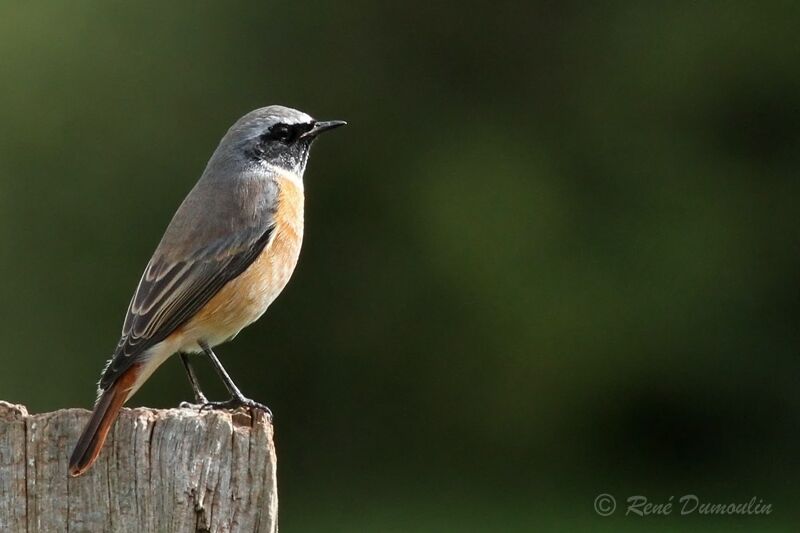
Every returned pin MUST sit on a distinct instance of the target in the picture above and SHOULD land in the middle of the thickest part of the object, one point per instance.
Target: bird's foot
(200, 400)
(235, 403)
(190, 405)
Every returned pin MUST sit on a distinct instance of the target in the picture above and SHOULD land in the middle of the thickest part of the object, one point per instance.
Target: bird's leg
(237, 398)
(199, 397)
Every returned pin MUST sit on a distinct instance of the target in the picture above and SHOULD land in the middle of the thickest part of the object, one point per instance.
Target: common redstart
(224, 258)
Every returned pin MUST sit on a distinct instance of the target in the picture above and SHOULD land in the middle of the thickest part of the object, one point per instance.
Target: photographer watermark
(689, 504)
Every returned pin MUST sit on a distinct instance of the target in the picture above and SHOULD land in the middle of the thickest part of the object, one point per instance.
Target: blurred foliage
(554, 254)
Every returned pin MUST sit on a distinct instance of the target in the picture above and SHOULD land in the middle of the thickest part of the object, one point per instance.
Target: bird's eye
(281, 132)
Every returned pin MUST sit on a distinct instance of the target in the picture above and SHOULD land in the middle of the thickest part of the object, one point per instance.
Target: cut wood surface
(173, 470)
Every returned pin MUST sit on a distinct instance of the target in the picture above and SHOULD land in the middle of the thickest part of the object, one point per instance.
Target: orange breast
(244, 299)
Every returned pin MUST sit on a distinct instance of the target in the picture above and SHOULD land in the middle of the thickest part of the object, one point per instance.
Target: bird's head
(275, 137)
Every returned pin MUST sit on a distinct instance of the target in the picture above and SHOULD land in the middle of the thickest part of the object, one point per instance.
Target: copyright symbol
(605, 504)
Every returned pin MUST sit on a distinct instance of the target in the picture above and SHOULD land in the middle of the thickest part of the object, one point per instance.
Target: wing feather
(171, 292)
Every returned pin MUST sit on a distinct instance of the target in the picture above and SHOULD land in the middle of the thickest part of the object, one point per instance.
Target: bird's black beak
(321, 126)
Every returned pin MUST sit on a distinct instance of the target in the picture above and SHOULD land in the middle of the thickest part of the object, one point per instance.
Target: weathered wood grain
(175, 470)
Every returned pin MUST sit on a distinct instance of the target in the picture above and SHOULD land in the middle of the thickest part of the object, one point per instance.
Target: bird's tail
(103, 416)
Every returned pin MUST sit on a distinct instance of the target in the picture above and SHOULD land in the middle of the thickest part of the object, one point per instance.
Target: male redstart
(224, 258)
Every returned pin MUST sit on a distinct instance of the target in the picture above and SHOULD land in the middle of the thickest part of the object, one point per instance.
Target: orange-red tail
(103, 417)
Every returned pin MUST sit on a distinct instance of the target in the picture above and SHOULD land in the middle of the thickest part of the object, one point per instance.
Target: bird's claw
(189, 405)
(235, 403)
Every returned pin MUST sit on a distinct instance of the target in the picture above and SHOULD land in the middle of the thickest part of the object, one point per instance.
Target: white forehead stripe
(294, 118)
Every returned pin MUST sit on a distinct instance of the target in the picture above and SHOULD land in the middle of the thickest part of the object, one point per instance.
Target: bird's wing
(170, 292)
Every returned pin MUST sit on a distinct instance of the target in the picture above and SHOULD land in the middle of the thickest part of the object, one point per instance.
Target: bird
(225, 256)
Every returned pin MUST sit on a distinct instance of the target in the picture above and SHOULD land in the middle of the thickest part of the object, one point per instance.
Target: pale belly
(237, 305)
(244, 299)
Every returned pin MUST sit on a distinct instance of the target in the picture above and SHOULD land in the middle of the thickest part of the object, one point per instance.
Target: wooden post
(174, 470)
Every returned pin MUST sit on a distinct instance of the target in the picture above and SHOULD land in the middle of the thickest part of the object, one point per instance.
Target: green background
(554, 254)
